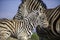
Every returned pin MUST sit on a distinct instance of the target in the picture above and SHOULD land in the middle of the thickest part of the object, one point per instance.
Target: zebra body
(52, 32)
(54, 21)
(15, 28)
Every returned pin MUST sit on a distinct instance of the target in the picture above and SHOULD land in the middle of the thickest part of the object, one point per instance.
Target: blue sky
(8, 8)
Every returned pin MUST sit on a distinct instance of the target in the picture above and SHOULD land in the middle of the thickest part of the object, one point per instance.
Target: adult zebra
(22, 29)
(53, 30)
(28, 6)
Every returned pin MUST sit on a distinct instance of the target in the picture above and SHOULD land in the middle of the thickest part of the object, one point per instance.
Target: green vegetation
(34, 37)
(10, 38)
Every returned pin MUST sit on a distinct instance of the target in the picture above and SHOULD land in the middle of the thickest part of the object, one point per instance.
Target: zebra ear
(23, 0)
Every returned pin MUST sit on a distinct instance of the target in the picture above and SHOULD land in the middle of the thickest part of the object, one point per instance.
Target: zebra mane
(34, 4)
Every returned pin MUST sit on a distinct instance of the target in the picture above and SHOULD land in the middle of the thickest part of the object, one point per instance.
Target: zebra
(28, 6)
(22, 29)
(52, 32)
(14, 28)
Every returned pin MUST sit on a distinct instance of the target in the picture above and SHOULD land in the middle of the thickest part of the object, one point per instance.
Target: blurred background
(8, 8)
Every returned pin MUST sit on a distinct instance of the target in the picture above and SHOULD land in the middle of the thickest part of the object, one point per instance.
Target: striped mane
(34, 4)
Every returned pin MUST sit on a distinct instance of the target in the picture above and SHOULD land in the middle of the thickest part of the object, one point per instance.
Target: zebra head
(38, 18)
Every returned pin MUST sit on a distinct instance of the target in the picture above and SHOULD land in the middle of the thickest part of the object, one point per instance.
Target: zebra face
(42, 21)
(38, 18)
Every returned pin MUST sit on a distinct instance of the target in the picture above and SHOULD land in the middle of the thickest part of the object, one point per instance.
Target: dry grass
(10, 38)
(33, 37)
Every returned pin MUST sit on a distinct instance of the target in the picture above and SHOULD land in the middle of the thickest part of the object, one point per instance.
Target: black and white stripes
(22, 29)
(53, 17)
(53, 30)
(30, 6)
(14, 28)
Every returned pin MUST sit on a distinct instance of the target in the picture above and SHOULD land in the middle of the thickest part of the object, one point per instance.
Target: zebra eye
(37, 13)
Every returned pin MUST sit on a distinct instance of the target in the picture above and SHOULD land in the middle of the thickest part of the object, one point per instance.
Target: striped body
(53, 30)
(15, 28)
(28, 6)
(54, 21)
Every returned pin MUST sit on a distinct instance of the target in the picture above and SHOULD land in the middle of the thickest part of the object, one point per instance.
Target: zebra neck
(30, 24)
